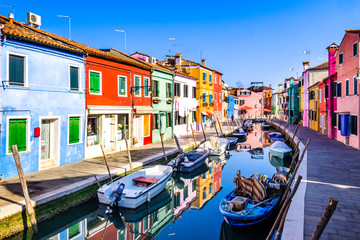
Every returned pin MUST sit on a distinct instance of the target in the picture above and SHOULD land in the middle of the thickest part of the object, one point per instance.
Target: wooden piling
(282, 222)
(217, 133)
(129, 154)
(29, 206)
(162, 145)
(107, 166)
(178, 144)
(202, 127)
(296, 129)
(283, 207)
(330, 209)
(192, 131)
(228, 125)
(221, 132)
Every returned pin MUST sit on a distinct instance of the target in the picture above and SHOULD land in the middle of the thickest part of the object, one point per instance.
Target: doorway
(108, 134)
(49, 143)
(138, 131)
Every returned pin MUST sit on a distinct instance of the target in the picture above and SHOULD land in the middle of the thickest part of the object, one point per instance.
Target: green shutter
(122, 86)
(74, 130)
(12, 134)
(16, 70)
(17, 134)
(94, 82)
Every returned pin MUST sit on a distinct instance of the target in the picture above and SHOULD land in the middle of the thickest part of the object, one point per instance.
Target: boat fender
(148, 197)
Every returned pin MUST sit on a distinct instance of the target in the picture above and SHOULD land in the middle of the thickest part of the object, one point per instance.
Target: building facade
(218, 95)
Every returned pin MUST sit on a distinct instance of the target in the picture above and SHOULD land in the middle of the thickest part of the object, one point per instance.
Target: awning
(245, 108)
(143, 110)
(210, 113)
(204, 113)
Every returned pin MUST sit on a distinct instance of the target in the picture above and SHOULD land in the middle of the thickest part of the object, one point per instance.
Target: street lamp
(117, 30)
(63, 16)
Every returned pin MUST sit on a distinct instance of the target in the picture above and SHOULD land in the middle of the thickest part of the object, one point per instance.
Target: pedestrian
(232, 117)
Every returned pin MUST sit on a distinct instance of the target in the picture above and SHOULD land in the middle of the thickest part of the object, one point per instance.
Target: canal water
(187, 209)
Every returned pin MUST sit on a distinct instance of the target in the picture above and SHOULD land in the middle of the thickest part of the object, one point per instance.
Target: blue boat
(276, 136)
(241, 210)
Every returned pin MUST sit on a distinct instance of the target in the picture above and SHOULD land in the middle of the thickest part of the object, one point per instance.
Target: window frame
(79, 77)
(155, 92)
(139, 86)
(77, 235)
(8, 118)
(26, 62)
(100, 82)
(126, 83)
(357, 85)
(347, 87)
(350, 127)
(186, 91)
(341, 57)
(149, 86)
(357, 49)
(80, 127)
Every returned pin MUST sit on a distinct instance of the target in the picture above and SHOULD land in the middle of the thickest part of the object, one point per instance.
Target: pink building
(305, 113)
(348, 100)
(250, 104)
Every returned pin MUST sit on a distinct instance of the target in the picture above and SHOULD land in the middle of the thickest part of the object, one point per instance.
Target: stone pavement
(333, 170)
(54, 183)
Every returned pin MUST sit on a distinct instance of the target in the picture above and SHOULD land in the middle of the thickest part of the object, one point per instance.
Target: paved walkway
(55, 183)
(333, 170)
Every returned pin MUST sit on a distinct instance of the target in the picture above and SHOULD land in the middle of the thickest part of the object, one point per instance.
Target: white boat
(140, 186)
(189, 161)
(216, 146)
(280, 149)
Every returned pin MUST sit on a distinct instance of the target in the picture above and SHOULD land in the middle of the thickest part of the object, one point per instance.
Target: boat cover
(279, 144)
(253, 187)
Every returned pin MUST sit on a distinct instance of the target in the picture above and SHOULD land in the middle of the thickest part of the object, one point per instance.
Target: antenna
(13, 7)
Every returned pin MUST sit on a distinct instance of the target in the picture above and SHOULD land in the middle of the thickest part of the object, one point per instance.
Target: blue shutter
(204, 97)
(345, 125)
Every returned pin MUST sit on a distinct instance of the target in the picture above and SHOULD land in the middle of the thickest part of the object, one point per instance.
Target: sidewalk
(45, 186)
(333, 170)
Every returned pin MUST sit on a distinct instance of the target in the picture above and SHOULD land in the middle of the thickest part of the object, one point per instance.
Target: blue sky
(245, 40)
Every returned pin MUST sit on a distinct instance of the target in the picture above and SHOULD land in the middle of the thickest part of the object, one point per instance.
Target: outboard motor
(116, 196)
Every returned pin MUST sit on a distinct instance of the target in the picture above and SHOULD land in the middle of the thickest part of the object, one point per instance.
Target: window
(210, 189)
(156, 88)
(204, 97)
(92, 130)
(137, 86)
(74, 130)
(341, 58)
(215, 78)
(168, 120)
(177, 88)
(353, 124)
(326, 91)
(95, 82)
(338, 90)
(123, 126)
(210, 98)
(177, 200)
(121, 86)
(146, 87)
(320, 95)
(355, 86)
(156, 121)
(194, 116)
(194, 92)
(74, 78)
(74, 231)
(242, 102)
(215, 97)
(210, 78)
(333, 119)
(347, 87)
(146, 125)
(204, 193)
(186, 91)
(168, 90)
(339, 122)
(355, 49)
(204, 76)
(194, 185)
(186, 192)
(333, 89)
(16, 70)
(17, 134)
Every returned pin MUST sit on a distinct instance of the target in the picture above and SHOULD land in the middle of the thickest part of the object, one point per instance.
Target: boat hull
(279, 154)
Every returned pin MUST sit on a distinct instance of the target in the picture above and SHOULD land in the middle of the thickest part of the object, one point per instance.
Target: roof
(324, 65)
(18, 30)
(184, 75)
(187, 63)
(353, 30)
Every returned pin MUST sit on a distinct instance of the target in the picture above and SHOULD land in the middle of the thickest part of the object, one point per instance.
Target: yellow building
(314, 114)
(204, 189)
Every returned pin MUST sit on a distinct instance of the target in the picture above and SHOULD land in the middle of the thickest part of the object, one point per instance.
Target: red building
(218, 95)
(322, 107)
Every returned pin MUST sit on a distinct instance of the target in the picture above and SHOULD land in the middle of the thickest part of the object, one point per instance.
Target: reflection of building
(208, 184)
(184, 195)
(265, 140)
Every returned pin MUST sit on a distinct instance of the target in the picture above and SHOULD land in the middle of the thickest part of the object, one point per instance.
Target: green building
(293, 102)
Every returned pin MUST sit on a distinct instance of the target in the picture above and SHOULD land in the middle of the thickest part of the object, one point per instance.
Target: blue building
(231, 106)
(42, 99)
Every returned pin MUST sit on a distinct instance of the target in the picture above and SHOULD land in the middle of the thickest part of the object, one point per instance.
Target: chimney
(203, 62)
(280, 87)
(270, 86)
(178, 59)
(306, 65)
(11, 17)
(331, 57)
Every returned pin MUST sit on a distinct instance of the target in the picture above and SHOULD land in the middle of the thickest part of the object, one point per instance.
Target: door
(138, 129)
(106, 134)
(45, 139)
(49, 143)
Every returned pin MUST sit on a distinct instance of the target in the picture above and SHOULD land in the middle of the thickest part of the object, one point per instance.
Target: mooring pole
(216, 129)
(107, 166)
(178, 144)
(330, 209)
(29, 206)
(202, 127)
(192, 131)
(222, 134)
(129, 155)
(162, 145)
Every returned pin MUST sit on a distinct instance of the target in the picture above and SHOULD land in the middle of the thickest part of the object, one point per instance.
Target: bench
(144, 181)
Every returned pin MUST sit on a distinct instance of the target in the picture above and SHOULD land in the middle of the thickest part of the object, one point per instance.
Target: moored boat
(139, 187)
(241, 134)
(189, 161)
(265, 127)
(276, 136)
(232, 140)
(280, 149)
(216, 146)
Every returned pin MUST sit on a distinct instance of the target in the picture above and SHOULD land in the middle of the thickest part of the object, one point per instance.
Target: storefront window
(93, 130)
(122, 127)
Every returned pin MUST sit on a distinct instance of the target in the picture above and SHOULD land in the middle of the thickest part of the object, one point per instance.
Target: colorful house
(163, 92)
(218, 95)
(301, 99)
(348, 100)
(314, 107)
(231, 107)
(293, 93)
(250, 104)
(225, 90)
(305, 95)
(268, 95)
(44, 118)
(322, 108)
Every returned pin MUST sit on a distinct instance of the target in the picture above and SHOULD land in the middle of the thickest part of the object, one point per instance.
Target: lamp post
(63, 16)
(117, 30)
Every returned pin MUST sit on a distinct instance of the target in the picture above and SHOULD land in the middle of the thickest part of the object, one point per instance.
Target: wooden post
(202, 127)
(282, 210)
(216, 129)
(192, 131)
(292, 162)
(294, 172)
(107, 166)
(29, 206)
(162, 145)
(178, 144)
(129, 155)
(228, 125)
(297, 127)
(221, 132)
(324, 219)
(282, 222)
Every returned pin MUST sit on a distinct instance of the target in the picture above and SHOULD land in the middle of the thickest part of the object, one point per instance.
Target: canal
(187, 209)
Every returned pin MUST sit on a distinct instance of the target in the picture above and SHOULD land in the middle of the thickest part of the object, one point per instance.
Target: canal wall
(294, 223)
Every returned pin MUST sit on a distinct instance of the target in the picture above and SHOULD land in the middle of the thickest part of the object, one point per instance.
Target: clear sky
(245, 40)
